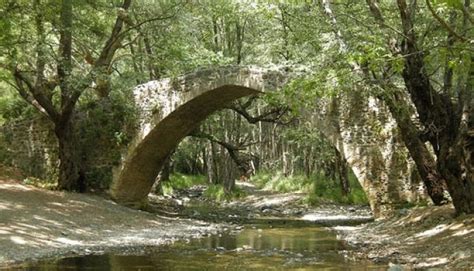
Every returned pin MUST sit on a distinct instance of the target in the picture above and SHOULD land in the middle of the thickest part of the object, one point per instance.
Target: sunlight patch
(463, 232)
(68, 241)
(432, 262)
(18, 240)
(432, 232)
(318, 217)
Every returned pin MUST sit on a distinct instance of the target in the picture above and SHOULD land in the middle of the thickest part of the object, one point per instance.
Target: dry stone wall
(31, 146)
(362, 129)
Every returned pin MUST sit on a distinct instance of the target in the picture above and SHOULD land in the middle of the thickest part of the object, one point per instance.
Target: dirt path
(36, 223)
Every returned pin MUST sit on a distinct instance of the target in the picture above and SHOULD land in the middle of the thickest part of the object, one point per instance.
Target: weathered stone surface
(360, 127)
(171, 108)
(30, 146)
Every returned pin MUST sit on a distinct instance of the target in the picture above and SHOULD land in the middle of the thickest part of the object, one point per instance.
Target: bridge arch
(361, 128)
(170, 109)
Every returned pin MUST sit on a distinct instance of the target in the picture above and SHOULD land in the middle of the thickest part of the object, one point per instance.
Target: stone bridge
(170, 109)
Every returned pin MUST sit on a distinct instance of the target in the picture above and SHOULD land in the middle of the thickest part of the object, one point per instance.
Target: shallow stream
(257, 247)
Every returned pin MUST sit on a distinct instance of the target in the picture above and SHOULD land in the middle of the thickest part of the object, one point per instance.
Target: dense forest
(73, 65)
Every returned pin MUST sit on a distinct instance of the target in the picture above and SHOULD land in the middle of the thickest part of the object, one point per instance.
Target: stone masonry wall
(360, 127)
(31, 146)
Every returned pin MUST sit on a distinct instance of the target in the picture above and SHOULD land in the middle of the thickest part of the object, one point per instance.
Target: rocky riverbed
(37, 224)
(414, 238)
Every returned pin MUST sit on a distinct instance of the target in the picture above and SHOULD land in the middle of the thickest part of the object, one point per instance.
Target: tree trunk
(438, 114)
(166, 171)
(69, 177)
(434, 182)
(415, 78)
(342, 173)
(229, 184)
(456, 160)
(164, 176)
(457, 165)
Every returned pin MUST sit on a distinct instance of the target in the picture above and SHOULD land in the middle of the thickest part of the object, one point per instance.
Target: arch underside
(145, 161)
(182, 104)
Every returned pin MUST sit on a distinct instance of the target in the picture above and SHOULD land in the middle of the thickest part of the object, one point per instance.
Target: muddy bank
(36, 223)
(416, 238)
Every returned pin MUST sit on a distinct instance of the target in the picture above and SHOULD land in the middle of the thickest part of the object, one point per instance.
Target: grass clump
(329, 191)
(217, 193)
(214, 192)
(278, 182)
(318, 187)
(180, 181)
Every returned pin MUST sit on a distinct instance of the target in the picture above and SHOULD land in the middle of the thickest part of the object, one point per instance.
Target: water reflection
(296, 248)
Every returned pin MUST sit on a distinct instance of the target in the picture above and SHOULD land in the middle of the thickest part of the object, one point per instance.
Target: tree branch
(103, 62)
(27, 96)
(43, 103)
(444, 24)
(228, 146)
(273, 116)
(378, 16)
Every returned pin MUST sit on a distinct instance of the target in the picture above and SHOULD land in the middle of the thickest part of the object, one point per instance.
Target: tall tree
(38, 84)
(448, 125)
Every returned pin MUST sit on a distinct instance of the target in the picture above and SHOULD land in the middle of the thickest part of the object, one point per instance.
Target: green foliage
(217, 193)
(104, 127)
(41, 183)
(324, 190)
(458, 4)
(180, 181)
(213, 192)
(280, 183)
(318, 187)
(12, 107)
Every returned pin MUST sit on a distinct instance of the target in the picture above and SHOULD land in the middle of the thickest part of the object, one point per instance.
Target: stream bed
(285, 246)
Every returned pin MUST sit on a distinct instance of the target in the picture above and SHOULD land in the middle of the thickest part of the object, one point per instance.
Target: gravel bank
(36, 223)
(417, 238)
